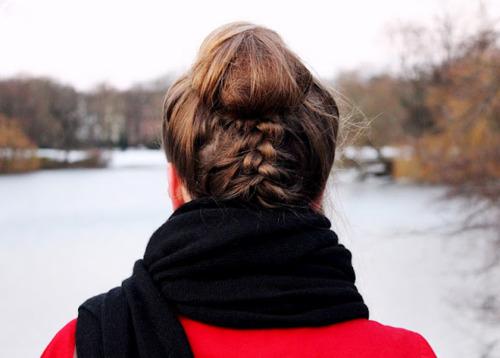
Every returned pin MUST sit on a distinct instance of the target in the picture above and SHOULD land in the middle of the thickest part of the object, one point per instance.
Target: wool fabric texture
(224, 263)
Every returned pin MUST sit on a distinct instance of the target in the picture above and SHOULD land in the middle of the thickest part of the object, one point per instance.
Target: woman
(247, 265)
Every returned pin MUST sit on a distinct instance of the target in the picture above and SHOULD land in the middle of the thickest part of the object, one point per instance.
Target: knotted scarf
(228, 264)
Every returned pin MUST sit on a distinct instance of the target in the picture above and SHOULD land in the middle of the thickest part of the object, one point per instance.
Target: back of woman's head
(249, 121)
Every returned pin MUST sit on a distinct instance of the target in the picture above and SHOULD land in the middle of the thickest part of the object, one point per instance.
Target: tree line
(442, 109)
(55, 115)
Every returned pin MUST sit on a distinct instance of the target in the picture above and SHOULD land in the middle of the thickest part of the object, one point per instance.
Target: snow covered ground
(69, 234)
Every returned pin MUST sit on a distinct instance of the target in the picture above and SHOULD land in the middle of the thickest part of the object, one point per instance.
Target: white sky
(123, 42)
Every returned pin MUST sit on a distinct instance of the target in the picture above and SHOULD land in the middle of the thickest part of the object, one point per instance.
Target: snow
(367, 153)
(137, 158)
(69, 234)
(117, 158)
(61, 155)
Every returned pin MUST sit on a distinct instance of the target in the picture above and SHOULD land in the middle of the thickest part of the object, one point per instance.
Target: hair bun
(246, 70)
(248, 121)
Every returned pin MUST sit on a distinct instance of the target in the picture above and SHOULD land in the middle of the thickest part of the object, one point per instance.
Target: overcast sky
(123, 42)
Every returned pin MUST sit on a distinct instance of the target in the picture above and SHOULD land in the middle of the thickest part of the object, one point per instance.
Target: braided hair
(248, 121)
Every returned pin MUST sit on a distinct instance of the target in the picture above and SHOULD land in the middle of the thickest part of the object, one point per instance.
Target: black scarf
(225, 264)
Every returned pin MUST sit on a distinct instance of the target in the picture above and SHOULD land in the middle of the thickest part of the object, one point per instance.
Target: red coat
(356, 338)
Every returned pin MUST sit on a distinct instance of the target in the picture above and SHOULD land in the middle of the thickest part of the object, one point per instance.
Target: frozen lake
(67, 235)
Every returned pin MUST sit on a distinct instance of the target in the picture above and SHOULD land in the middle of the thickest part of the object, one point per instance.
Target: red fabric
(63, 343)
(356, 338)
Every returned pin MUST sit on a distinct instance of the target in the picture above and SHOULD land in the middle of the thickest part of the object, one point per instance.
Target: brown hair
(249, 121)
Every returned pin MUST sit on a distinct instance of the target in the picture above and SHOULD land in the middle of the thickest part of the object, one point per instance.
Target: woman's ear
(317, 204)
(176, 190)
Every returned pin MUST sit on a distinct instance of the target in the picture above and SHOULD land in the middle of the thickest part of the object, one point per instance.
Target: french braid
(248, 121)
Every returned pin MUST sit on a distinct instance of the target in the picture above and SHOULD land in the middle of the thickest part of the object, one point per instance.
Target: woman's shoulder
(63, 343)
(359, 337)
(377, 330)
(386, 337)
(354, 338)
